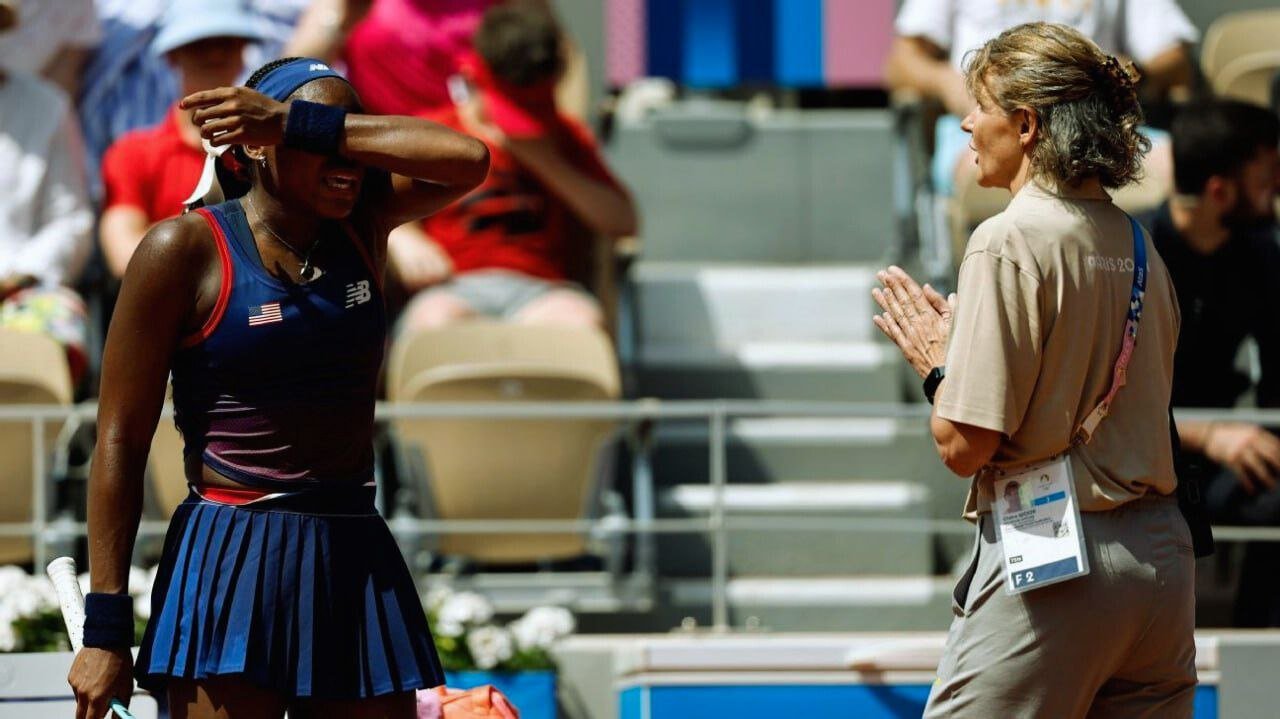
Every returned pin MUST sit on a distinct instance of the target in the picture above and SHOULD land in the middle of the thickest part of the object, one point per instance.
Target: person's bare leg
(562, 307)
(392, 706)
(222, 698)
(435, 309)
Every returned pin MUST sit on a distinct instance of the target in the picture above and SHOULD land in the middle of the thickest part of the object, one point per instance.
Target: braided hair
(256, 78)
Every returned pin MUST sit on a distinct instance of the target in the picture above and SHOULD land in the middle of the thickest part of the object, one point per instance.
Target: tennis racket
(62, 572)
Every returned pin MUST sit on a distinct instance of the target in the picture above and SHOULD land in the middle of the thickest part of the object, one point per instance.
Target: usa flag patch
(265, 314)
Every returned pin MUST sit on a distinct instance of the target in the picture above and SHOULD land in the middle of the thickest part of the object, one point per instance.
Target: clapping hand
(917, 319)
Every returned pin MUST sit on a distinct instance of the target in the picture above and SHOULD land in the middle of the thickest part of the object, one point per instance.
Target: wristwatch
(932, 380)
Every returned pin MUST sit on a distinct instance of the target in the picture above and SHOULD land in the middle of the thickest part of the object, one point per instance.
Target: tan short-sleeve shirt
(1041, 305)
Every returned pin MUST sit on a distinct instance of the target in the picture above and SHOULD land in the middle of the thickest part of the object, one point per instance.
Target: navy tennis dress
(294, 583)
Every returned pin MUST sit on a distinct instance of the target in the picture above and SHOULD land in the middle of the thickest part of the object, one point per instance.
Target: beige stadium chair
(1249, 77)
(970, 205)
(506, 469)
(1236, 35)
(33, 370)
(973, 203)
(1145, 194)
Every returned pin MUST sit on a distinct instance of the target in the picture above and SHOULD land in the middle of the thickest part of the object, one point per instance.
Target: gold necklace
(305, 272)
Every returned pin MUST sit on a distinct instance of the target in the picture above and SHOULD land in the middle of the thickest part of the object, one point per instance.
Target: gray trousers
(1117, 642)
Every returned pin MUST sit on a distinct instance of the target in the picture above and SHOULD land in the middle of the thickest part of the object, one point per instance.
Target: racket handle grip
(62, 572)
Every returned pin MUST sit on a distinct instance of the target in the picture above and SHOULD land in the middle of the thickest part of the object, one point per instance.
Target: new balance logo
(358, 293)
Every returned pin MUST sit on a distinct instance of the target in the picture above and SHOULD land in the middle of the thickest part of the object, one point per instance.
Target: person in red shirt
(509, 249)
(148, 173)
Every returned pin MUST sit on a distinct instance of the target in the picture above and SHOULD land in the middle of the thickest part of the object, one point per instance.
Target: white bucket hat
(188, 21)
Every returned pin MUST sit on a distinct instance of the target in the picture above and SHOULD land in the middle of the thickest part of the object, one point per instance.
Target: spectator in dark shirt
(1217, 236)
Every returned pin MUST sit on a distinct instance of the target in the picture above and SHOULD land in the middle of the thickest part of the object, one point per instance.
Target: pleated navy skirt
(306, 595)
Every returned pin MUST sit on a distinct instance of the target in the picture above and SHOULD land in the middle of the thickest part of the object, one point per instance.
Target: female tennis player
(280, 588)
(1050, 375)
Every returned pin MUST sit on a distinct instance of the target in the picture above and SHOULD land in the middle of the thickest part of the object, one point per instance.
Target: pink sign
(858, 34)
(625, 37)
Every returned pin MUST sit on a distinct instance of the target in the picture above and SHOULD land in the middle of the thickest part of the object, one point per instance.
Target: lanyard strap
(1128, 342)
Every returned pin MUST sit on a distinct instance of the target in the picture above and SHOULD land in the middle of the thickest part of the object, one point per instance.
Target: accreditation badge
(1039, 523)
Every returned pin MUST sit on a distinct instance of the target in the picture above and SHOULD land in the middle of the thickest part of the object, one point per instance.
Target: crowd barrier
(47, 530)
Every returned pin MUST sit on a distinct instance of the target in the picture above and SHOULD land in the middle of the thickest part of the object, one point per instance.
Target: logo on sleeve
(358, 293)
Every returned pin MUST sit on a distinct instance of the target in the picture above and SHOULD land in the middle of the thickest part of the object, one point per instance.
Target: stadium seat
(1145, 194)
(505, 469)
(710, 331)
(1249, 77)
(33, 371)
(1236, 35)
(972, 204)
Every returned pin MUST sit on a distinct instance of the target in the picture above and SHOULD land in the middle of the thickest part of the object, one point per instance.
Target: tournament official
(1061, 298)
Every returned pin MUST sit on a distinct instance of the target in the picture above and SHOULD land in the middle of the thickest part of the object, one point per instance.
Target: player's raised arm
(430, 165)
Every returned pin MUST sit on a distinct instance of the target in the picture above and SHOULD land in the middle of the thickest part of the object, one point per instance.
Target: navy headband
(282, 81)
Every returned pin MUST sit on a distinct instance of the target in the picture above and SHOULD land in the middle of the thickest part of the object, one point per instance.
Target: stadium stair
(821, 471)
(711, 331)
(824, 507)
(766, 331)
(755, 283)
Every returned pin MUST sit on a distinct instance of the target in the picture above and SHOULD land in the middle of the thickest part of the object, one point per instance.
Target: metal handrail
(717, 414)
(637, 409)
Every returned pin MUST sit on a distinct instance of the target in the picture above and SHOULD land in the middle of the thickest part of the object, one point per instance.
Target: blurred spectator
(148, 173)
(1218, 238)
(933, 37)
(53, 38)
(324, 27)
(278, 22)
(399, 54)
(45, 217)
(127, 86)
(510, 247)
